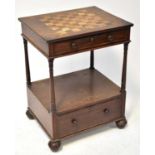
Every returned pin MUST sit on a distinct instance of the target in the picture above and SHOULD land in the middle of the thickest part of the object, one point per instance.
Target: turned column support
(124, 70)
(28, 77)
(52, 92)
(92, 59)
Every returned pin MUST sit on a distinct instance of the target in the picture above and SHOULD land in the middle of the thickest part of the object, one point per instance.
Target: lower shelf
(75, 90)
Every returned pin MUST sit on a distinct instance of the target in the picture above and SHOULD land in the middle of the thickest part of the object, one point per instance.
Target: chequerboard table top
(54, 26)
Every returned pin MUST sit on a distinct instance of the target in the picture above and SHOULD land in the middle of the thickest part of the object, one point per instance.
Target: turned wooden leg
(121, 123)
(29, 114)
(54, 145)
(28, 76)
(92, 59)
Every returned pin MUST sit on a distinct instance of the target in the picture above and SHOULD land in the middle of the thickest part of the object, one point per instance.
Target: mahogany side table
(69, 104)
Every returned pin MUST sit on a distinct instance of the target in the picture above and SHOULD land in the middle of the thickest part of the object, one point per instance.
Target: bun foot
(54, 146)
(121, 123)
(29, 114)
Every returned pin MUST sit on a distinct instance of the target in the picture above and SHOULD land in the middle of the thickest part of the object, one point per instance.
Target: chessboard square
(98, 18)
(61, 32)
(71, 25)
(43, 20)
(54, 28)
(72, 22)
(90, 27)
(67, 22)
(65, 29)
(81, 13)
(87, 17)
(83, 10)
(81, 23)
(71, 16)
(105, 21)
(76, 30)
(64, 20)
(49, 24)
(86, 20)
(91, 15)
(100, 22)
(59, 24)
(57, 17)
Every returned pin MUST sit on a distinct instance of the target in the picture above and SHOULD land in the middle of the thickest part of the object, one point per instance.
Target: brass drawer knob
(74, 121)
(110, 38)
(74, 45)
(106, 110)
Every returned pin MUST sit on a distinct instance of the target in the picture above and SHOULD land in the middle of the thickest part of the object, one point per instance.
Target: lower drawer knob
(106, 110)
(74, 121)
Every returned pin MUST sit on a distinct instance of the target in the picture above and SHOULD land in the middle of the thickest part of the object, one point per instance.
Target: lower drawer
(88, 117)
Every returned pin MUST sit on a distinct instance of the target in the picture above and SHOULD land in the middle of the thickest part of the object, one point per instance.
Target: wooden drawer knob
(106, 110)
(74, 121)
(74, 45)
(92, 39)
(110, 38)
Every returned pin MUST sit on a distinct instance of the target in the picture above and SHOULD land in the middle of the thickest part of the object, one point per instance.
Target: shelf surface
(76, 90)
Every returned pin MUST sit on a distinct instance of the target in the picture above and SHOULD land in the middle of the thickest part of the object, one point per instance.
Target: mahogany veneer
(68, 104)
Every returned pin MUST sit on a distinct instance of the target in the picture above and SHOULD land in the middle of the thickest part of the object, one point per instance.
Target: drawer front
(87, 43)
(89, 117)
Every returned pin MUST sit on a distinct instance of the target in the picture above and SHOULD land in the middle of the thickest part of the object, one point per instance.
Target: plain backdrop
(108, 140)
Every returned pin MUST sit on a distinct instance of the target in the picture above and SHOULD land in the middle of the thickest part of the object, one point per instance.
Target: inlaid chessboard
(70, 23)
(73, 22)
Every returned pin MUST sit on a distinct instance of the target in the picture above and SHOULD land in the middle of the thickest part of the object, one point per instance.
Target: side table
(69, 104)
